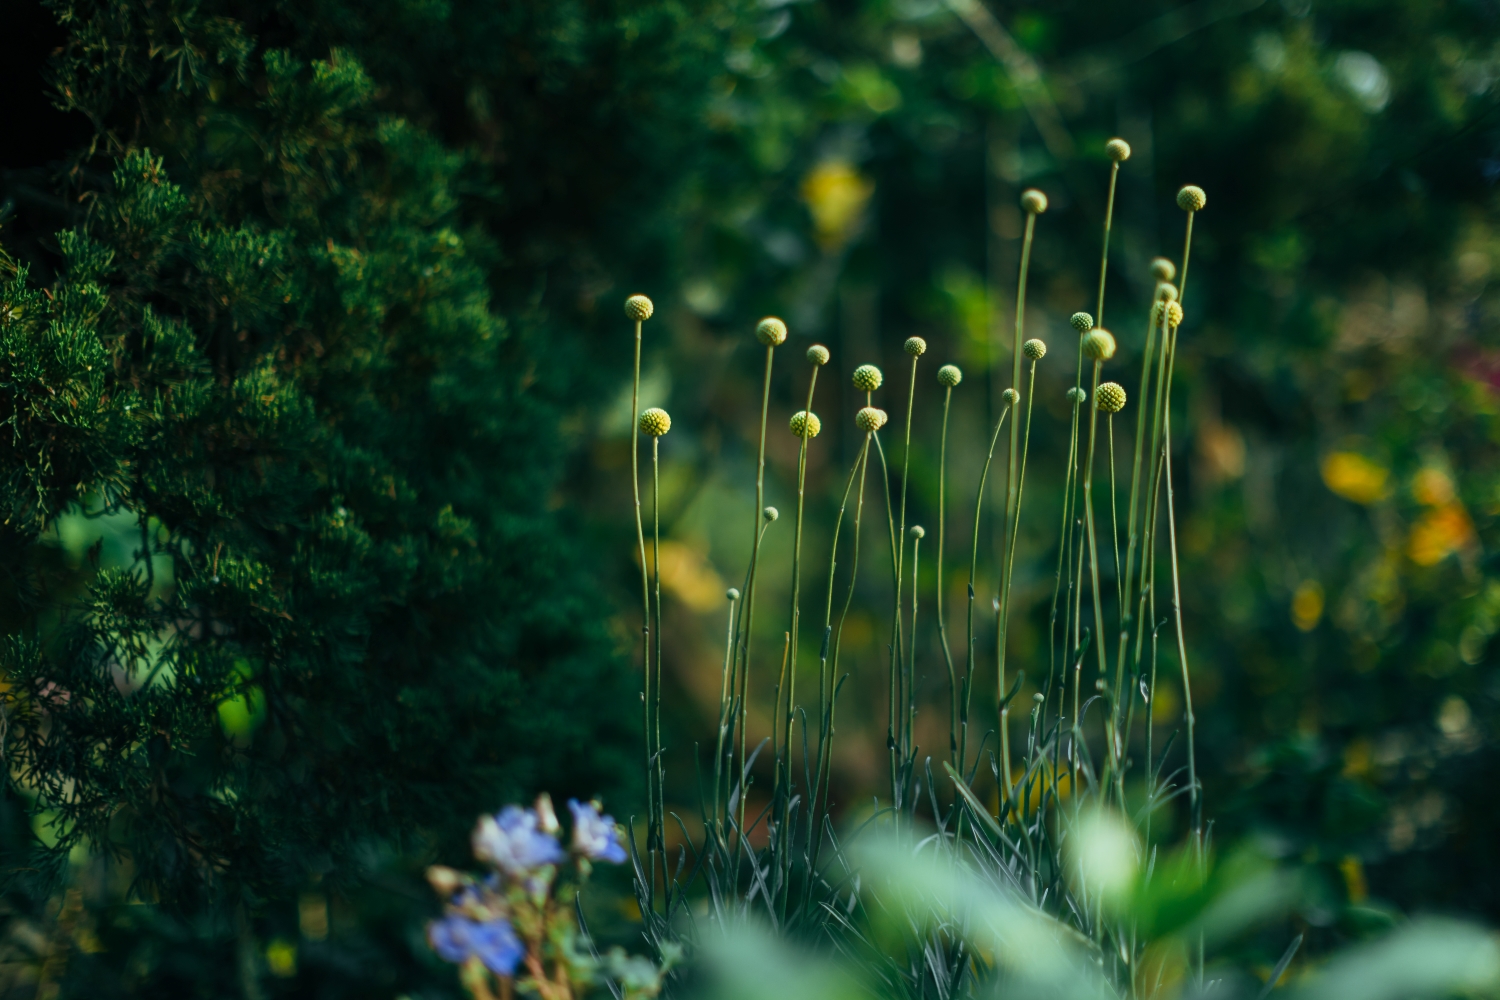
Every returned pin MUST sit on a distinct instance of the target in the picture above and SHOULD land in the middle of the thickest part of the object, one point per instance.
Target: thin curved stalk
(661, 843)
(984, 475)
(640, 536)
(941, 621)
(896, 725)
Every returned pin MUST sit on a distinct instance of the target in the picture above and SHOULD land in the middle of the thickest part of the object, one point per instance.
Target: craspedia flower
(1174, 314)
(655, 422)
(806, 424)
(1077, 395)
(915, 346)
(1011, 396)
(870, 419)
(1118, 150)
(770, 514)
(1034, 349)
(867, 378)
(638, 308)
(1099, 345)
(1166, 292)
(917, 531)
(1082, 322)
(1110, 398)
(732, 594)
(818, 355)
(1033, 201)
(1163, 269)
(950, 375)
(1191, 198)
(770, 331)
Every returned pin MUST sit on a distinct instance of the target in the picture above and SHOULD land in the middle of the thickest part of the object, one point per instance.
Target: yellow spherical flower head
(870, 419)
(1163, 269)
(1033, 201)
(867, 378)
(1082, 322)
(655, 422)
(950, 375)
(1011, 397)
(770, 331)
(806, 424)
(1034, 349)
(638, 308)
(1099, 345)
(1117, 150)
(818, 355)
(915, 346)
(1174, 314)
(1191, 198)
(1110, 398)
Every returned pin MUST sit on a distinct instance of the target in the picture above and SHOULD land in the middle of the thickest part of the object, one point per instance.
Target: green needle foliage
(271, 353)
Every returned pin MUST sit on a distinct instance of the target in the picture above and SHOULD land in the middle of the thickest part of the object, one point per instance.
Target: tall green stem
(941, 622)
(640, 536)
(984, 475)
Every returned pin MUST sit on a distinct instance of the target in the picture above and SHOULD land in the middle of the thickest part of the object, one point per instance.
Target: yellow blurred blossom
(1354, 878)
(1432, 487)
(1354, 477)
(1439, 533)
(836, 194)
(1307, 605)
(687, 575)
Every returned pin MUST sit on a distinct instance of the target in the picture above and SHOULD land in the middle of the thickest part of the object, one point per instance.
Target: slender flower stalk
(984, 475)
(654, 423)
(639, 309)
(1098, 347)
(725, 708)
(1083, 323)
(948, 376)
(915, 347)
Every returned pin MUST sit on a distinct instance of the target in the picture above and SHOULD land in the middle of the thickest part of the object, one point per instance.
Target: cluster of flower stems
(1056, 771)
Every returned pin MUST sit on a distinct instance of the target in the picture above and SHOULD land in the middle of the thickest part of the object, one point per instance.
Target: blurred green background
(854, 168)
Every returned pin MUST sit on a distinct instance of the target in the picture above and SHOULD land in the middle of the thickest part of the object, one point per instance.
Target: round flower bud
(733, 593)
(1082, 322)
(818, 355)
(655, 422)
(867, 378)
(1034, 349)
(1077, 395)
(1174, 314)
(1163, 269)
(1118, 150)
(1039, 697)
(1033, 201)
(638, 308)
(1011, 396)
(915, 346)
(950, 375)
(805, 424)
(770, 331)
(870, 419)
(1110, 398)
(1166, 292)
(1191, 198)
(917, 531)
(770, 514)
(1099, 345)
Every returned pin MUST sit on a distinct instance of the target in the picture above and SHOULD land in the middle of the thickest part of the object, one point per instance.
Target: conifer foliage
(271, 352)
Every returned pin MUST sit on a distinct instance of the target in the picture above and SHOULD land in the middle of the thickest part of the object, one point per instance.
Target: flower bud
(870, 419)
(867, 378)
(655, 422)
(806, 424)
(770, 514)
(638, 308)
(1033, 201)
(732, 594)
(1163, 269)
(1166, 292)
(915, 346)
(1110, 398)
(950, 375)
(917, 531)
(1082, 322)
(770, 331)
(1191, 198)
(818, 355)
(1077, 395)
(1034, 349)
(1099, 345)
(1117, 150)
(1011, 397)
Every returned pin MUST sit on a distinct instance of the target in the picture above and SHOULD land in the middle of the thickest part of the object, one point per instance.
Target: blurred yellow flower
(1432, 487)
(1307, 605)
(836, 194)
(1439, 533)
(1354, 477)
(687, 575)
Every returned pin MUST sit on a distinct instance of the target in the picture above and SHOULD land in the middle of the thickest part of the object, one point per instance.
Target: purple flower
(513, 842)
(594, 835)
(456, 938)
